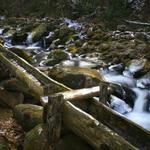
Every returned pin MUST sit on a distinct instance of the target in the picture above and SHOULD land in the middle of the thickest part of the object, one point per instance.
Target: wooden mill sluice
(78, 110)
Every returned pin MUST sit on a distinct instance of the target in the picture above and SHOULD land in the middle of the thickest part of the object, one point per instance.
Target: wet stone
(36, 139)
(28, 115)
(10, 99)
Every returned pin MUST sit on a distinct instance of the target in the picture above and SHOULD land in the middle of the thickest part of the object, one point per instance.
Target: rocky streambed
(78, 54)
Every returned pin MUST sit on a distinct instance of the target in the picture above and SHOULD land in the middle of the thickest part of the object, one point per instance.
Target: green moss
(28, 115)
(36, 139)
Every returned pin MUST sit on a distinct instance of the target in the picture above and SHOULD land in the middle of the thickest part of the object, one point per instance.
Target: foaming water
(140, 113)
(72, 24)
(120, 79)
(141, 118)
(29, 40)
(141, 100)
(1, 31)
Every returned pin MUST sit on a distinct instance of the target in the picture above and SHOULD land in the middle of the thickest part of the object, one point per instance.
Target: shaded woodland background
(107, 9)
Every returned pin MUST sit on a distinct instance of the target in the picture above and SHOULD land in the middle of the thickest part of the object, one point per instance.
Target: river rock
(15, 85)
(119, 105)
(124, 93)
(65, 33)
(4, 73)
(139, 67)
(2, 41)
(28, 115)
(72, 142)
(56, 56)
(3, 144)
(36, 139)
(121, 27)
(75, 77)
(10, 99)
(38, 32)
(144, 82)
(19, 37)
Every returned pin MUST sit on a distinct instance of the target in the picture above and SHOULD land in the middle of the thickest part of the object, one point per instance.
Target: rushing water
(140, 113)
(141, 110)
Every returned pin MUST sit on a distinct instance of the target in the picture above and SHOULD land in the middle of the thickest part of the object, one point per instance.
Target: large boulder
(75, 77)
(28, 115)
(37, 33)
(139, 67)
(72, 142)
(10, 99)
(56, 56)
(36, 139)
(15, 85)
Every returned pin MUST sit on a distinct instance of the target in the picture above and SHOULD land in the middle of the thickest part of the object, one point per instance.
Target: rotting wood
(137, 23)
(81, 94)
(112, 119)
(54, 118)
(91, 130)
(119, 128)
(29, 74)
(104, 92)
(76, 95)
(131, 131)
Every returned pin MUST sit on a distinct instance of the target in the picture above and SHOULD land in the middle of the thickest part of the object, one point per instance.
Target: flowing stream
(140, 113)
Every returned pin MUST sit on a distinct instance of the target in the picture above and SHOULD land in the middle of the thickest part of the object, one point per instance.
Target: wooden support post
(104, 92)
(54, 118)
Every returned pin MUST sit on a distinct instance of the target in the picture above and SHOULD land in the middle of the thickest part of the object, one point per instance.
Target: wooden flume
(99, 126)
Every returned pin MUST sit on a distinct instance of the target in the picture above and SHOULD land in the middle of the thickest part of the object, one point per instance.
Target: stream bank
(78, 54)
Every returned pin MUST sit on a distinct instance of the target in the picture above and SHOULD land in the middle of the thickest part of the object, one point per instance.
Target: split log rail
(98, 125)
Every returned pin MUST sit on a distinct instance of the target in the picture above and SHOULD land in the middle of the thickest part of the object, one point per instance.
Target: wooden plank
(91, 130)
(104, 92)
(54, 118)
(131, 131)
(22, 75)
(81, 94)
(48, 85)
(137, 23)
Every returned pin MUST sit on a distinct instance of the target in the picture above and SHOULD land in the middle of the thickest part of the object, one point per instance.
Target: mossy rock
(4, 73)
(28, 115)
(75, 77)
(58, 54)
(38, 32)
(139, 67)
(36, 139)
(3, 144)
(72, 49)
(19, 37)
(72, 142)
(10, 99)
(15, 85)
(2, 41)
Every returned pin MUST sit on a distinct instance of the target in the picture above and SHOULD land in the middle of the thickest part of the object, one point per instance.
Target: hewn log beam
(35, 79)
(131, 131)
(91, 130)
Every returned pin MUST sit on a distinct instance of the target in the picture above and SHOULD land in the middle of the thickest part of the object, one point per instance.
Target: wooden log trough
(97, 124)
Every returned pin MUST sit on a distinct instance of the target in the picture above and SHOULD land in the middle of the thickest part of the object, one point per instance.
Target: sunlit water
(140, 112)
